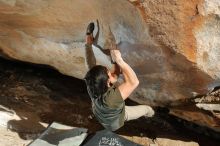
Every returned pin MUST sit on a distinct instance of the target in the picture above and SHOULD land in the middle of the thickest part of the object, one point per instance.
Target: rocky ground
(40, 96)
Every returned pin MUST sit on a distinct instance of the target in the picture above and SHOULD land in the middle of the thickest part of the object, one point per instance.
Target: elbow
(136, 83)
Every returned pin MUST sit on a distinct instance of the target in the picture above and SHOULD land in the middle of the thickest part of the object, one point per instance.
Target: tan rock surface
(52, 32)
(171, 142)
(9, 138)
(172, 22)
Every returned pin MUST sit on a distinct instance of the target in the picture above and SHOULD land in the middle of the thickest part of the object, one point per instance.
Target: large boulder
(172, 45)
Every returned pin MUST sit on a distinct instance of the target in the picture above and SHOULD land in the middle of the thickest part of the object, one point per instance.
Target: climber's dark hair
(96, 81)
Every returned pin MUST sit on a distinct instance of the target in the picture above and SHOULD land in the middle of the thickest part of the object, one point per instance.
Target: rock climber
(107, 95)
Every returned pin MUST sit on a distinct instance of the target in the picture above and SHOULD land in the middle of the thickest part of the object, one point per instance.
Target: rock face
(208, 36)
(52, 32)
(172, 45)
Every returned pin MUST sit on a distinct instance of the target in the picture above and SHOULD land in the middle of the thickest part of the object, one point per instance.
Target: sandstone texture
(207, 39)
(10, 138)
(52, 32)
(172, 45)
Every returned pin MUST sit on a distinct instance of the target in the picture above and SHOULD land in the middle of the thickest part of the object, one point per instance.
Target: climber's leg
(135, 112)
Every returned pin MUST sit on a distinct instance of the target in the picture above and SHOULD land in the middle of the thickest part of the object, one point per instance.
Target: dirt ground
(41, 95)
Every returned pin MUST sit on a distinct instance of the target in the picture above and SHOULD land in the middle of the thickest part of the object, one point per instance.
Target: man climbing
(106, 93)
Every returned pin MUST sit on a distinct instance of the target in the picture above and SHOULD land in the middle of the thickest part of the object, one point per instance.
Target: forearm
(129, 74)
(89, 56)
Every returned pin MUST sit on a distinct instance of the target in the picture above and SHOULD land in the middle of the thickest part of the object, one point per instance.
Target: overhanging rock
(161, 40)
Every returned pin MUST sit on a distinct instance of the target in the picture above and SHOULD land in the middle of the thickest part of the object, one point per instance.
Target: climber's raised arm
(89, 54)
(130, 79)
